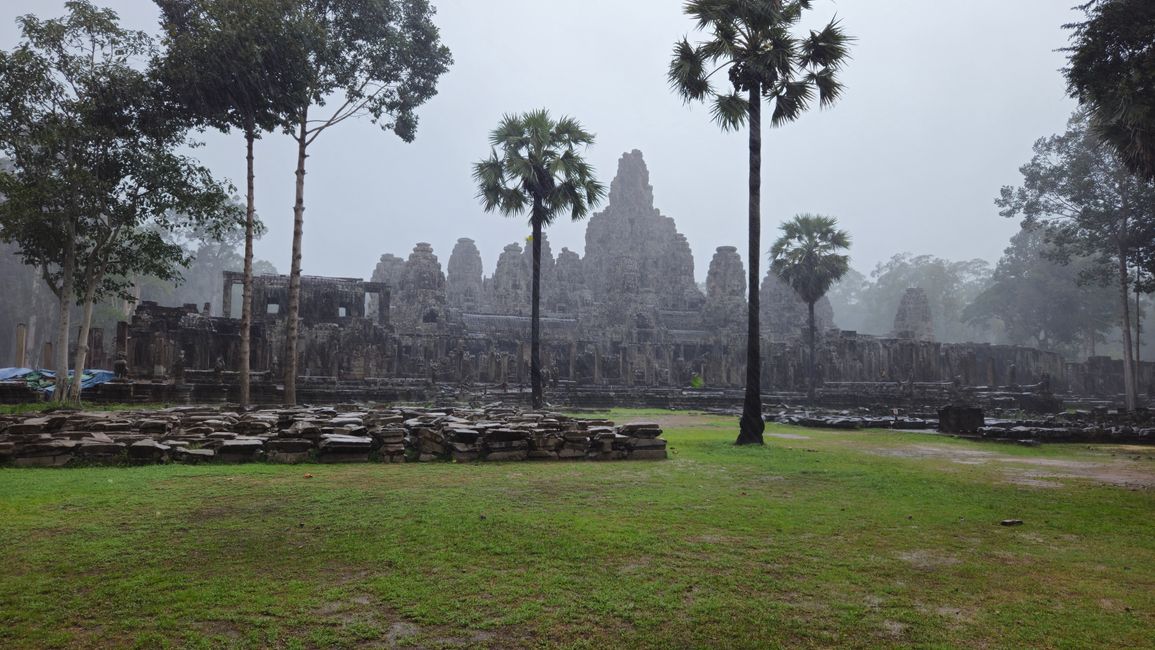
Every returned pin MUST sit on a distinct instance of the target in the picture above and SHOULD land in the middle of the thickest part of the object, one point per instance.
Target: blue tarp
(14, 373)
(45, 380)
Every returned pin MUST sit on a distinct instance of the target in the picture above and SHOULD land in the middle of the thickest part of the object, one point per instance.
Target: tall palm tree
(807, 258)
(535, 165)
(752, 39)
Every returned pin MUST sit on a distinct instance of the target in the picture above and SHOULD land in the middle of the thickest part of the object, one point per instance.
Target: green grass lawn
(836, 539)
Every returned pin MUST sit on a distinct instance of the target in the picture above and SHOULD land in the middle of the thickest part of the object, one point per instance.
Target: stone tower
(508, 292)
(634, 255)
(913, 319)
(463, 282)
(725, 290)
(421, 288)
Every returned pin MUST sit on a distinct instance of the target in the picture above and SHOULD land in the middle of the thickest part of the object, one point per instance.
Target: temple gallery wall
(628, 313)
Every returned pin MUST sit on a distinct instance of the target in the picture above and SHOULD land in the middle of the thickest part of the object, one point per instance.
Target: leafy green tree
(536, 166)
(1042, 302)
(95, 179)
(1092, 206)
(765, 62)
(1112, 73)
(234, 64)
(807, 257)
(375, 58)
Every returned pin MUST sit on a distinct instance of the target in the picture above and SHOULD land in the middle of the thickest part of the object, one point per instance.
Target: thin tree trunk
(1128, 356)
(1138, 334)
(810, 387)
(535, 313)
(751, 424)
(295, 273)
(92, 281)
(66, 297)
(247, 290)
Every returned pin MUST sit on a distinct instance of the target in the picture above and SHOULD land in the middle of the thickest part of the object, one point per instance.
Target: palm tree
(534, 164)
(807, 258)
(752, 39)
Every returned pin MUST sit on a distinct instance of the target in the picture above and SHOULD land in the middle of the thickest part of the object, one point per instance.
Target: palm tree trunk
(810, 385)
(751, 424)
(291, 318)
(535, 313)
(247, 289)
(1128, 352)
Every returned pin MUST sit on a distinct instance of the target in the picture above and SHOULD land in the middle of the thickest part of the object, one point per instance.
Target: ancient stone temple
(628, 314)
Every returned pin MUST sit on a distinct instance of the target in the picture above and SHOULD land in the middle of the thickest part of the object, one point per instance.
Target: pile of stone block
(348, 435)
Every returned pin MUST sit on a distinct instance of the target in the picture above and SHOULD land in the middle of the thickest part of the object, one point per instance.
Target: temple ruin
(628, 314)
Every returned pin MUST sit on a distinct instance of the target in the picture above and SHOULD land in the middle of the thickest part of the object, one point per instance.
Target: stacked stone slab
(204, 434)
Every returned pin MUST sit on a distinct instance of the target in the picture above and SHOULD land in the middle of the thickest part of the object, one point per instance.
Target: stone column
(227, 299)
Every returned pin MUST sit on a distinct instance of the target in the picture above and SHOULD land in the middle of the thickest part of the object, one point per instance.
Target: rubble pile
(328, 435)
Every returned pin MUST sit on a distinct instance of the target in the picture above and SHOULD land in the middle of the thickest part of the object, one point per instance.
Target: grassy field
(854, 539)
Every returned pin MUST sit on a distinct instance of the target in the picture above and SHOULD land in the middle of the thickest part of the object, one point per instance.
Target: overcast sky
(942, 104)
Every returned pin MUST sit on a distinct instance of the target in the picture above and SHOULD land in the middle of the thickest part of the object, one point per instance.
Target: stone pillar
(21, 346)
(383, 307)
(227, 298)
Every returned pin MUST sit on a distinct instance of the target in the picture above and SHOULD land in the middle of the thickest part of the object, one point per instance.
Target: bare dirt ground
(1120, 465)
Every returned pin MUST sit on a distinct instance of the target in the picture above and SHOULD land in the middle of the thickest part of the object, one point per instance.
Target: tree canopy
(1111, 72)
(1041, 302)
(753, 43)
(807, 255)
(96, 177)
(536, 167)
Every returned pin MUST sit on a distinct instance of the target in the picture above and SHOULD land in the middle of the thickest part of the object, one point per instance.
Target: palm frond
(730, 111)
(687, 74)
(828, 48)
(791, 101)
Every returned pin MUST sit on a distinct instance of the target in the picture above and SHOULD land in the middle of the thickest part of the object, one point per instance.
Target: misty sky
(943, 102)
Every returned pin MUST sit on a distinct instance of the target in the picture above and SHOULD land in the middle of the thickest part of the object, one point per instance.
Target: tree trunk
(92, 281)
(247, 289)
(67, 289)
(1138, 334)
(1128, 356)
(751, 424)
(292, 317)
(810, 385)
(535, 310)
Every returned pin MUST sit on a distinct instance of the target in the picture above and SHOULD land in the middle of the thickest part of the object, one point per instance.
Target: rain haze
(942, 104)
